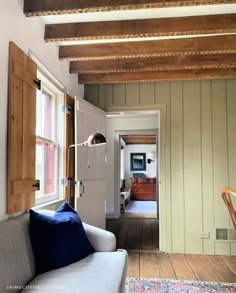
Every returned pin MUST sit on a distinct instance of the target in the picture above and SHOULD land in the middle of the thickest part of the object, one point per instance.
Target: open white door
(90, 170)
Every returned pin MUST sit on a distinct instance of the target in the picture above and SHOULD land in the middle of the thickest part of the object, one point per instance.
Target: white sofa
(102, 272)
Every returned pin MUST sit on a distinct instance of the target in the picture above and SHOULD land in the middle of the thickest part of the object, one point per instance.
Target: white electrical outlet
(204, 235)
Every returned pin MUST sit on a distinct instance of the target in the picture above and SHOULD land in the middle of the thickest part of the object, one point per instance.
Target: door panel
(91, 204)
(90, 165)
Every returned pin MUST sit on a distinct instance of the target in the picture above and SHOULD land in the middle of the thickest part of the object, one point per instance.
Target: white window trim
(52, 88)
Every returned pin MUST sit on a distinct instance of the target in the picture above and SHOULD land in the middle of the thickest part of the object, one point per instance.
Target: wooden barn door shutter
(69, 138)
(21, 130)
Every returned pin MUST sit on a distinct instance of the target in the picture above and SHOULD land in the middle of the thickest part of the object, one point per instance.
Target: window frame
(48, 87)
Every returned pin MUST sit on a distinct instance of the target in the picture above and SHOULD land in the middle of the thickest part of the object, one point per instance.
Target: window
(48, 142)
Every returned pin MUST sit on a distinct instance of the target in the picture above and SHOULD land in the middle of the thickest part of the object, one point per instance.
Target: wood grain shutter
(69, 138)
(21, 130)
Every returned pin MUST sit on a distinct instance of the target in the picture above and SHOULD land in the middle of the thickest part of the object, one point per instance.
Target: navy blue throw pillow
(58, 240)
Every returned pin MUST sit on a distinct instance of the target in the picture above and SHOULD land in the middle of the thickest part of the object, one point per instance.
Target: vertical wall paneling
(231, 122)
(105, 96)
(162, 96)
(147, 93)
(220, 146)
(177, 198)
(91, 94)
(233, 249)
(132, 94)
(198, 156)
(222, 248)
(207, 166)
(192, 167)
(118, 95)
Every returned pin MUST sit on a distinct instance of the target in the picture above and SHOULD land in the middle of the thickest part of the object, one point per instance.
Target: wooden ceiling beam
(144, 135)
(144, 141)
(139, 139)
(141, 28)
(154, 63)
(181, 46)
(217, 73)
(128, 139)
(141, 142)
(51, 7)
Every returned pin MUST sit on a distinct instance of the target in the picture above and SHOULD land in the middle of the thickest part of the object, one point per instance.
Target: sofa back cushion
(59, 239)
(16, 256)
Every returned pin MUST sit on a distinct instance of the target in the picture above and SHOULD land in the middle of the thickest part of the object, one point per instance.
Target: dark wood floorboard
(140, 237)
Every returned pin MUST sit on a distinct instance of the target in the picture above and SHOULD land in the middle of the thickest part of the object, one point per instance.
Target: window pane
(39, 167)
(45, 115)
(39, 118)
(46, 168)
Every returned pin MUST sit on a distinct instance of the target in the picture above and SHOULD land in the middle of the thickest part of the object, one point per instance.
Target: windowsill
(49, 203)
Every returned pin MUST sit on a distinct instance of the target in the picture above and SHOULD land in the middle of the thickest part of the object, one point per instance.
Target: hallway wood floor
(140, 238)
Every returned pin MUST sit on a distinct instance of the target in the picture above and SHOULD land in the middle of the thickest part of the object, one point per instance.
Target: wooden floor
(135, 234)
(140, 238)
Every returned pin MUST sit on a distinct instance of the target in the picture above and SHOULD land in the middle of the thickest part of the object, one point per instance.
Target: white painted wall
(139, 148)
(122, 163)
(122, 159)
(28, 34)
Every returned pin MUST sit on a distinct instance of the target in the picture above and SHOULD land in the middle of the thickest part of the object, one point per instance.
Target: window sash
(42, 196)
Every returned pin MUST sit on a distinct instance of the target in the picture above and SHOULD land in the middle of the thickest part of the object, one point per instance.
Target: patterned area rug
(139, 285)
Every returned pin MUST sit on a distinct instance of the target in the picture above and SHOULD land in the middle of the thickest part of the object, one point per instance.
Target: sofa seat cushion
(100, 272)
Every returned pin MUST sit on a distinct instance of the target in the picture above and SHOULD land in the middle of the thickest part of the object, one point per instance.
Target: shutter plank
(21, 130)
(15, 140)
(24, 186)
(29, 139)
(23, 73)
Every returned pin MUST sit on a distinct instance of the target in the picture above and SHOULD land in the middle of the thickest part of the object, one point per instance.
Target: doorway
(139, 174)
(134, 119)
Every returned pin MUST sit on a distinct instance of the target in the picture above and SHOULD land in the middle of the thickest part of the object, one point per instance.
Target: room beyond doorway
(138, 175)
(122, 121)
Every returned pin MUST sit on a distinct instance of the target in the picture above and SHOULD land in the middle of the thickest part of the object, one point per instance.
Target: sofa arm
(100, 239)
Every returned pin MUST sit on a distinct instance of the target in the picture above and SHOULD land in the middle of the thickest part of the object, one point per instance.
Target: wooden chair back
(227, 195)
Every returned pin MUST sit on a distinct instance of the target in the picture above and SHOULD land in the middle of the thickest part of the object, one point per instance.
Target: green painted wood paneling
(118, 95)
(147, 93)
(231, 122)
(207, 165)
(192, 166)
(105, 96)
(177, 188)
(220, 156)
(132, 94)
(91, 94)
(162, 96)
(200, 157)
